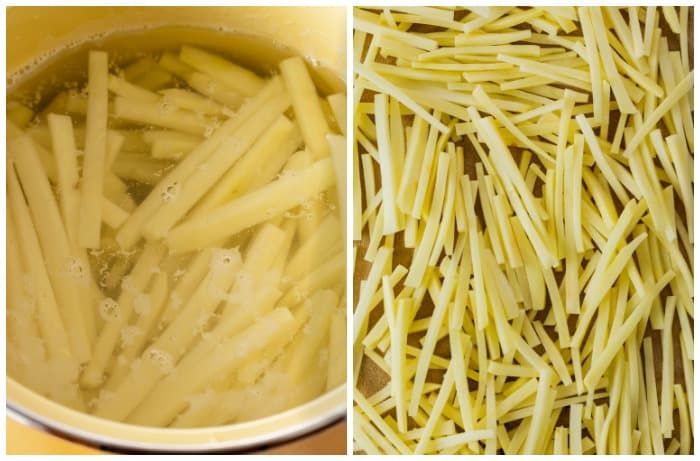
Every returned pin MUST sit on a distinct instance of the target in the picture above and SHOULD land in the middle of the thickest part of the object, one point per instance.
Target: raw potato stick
(337, 146)
(161, 356)
(192, 101)
(162, 407)
(253, 208)
(128, 90)
(307, 106)
(337, 355)
(266, 156)
(153, 113)
(142, 329)
(338, 106)
(191, 275)
(268, 122)
(202, 83)
(64, 266)
(131, 231)
(235, 316)
(49, 316)
(312, 252)
(91, 186)
(228, 73)
(117, 314)
(313, 337)
(63, 142)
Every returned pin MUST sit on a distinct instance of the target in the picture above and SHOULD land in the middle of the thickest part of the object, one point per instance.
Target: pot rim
(63, 421)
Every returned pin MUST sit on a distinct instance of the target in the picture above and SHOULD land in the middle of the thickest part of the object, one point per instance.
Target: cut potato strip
(253, 208)
(545, 242)
(307, 106)
(95, 152)
(228, 73)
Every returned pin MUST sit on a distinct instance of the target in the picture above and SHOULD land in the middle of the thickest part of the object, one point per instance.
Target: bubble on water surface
(110, 310)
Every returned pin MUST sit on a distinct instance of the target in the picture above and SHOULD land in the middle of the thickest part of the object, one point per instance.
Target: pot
(34, 34)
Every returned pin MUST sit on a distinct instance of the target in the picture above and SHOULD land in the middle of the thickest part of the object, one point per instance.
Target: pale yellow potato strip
(650, 122)
(338, 103)
(107, 340)
(337, 355)
(161, 406)
(186, 99)
(130, 233)
(594, 15)
(307, 106)
(252, 208)
(267, 123)
(324, 276)
(667, 369)
(222, 70)
(387, 166)
(419, 264)
(112, 214)
(90, 216)
(202, 83)
(160, 357)
(144, 325)
(396, 92)
(51, 324)
(617, 339)
(121, 87)
(575, 414)
(64, 150)
(542, 411)
(59, 254)
(256, 168)
(152, 113)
